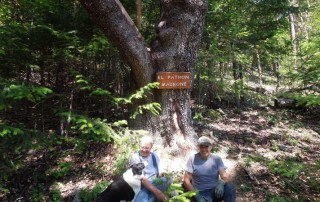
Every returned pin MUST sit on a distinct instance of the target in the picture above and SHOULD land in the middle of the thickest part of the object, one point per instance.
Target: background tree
(67, 91)
(174, 49)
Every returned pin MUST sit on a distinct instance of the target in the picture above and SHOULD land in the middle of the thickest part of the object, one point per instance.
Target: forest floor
(271, 154)
(268, 151)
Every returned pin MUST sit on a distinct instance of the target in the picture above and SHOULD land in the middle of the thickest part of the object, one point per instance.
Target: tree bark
(121, 31)
(293, 36)
(276, 70)
(139, 12)
(259, 67)
(178, 37)
(238, 81)
(175, 49)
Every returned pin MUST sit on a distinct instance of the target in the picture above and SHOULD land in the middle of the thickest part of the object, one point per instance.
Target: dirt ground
(247, 140)
(264, 133)
(267, 134)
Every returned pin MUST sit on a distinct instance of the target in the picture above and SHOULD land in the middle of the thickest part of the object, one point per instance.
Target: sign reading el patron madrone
(174, 80)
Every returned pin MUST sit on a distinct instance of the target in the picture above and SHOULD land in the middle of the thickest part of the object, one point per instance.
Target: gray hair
(146, 139)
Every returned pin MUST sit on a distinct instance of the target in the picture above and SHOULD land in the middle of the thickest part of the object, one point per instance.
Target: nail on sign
(174, 80)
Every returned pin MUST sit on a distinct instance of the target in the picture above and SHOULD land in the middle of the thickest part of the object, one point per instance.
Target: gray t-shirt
(150, 171)
(205, 173)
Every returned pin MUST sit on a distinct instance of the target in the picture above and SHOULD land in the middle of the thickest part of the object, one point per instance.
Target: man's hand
(219, 190)
(160, 196)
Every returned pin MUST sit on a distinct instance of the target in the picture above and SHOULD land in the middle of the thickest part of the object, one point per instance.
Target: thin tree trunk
(241, 84)
(26, 102)
(42, 82)
(276, 69)
(139, 12)
(221, 69)
(293, 37)
(259, 67)
(236, 77)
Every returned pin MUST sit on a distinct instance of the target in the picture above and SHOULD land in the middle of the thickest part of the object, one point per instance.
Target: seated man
(202, 174)
(152, 186)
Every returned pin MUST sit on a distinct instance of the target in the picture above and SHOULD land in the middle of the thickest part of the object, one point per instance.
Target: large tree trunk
(174, 50)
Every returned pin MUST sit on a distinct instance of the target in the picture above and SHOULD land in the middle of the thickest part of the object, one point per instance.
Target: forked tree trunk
(174, 49)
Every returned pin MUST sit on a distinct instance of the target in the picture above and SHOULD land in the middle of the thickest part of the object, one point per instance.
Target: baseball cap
(203, 140)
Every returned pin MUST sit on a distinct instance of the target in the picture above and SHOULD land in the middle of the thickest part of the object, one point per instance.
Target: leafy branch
(14, 92)
(141, 93)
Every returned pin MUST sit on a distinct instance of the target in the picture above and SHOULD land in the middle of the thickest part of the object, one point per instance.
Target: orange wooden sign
(174, 80)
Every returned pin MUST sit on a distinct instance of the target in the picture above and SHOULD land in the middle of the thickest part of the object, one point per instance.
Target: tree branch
(314, 87)
(119, 28)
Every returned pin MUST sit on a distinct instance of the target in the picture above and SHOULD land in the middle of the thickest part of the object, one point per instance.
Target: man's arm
(147, 184)
(224, 175)
(187, 181)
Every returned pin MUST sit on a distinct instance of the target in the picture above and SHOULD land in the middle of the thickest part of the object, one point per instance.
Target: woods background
(64, 87)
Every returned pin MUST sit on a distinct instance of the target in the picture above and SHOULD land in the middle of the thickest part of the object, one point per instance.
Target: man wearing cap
(206, 173)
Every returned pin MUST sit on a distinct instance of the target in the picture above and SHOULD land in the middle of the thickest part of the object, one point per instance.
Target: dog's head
(137, 168)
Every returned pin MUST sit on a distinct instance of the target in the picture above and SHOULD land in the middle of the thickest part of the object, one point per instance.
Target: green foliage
(313, 170)
(203, 112)
(245, 188)
(307, 100)
(153, 107)
(87, 195)
(6, 130)
(37, 193)
(15, 92)
(127, 144)
(55, 195)
(215, 149)
(274, 198)
(139, 94)
(274, 119)
(143, 92)
(211, 113)
(13, 150)
(38, 45)
(198, 116)
(294, 174)
(15, 138)
(63, 169)
(286, 168)
(92, 128)
(177, 190)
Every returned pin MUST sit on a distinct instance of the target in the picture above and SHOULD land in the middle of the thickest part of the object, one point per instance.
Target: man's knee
(229, 188)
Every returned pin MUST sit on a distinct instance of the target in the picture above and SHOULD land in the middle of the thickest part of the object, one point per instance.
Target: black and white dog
(125, 188)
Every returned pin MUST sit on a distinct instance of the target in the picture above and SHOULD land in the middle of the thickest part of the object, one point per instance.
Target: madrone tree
(174, 49)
